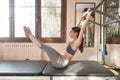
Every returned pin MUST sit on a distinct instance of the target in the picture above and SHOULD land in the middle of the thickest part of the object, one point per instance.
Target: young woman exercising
(76, 42)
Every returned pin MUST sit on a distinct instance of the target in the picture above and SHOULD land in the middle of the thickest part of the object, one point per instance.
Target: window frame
(12, 37)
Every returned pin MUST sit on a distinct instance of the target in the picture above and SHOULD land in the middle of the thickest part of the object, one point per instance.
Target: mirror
(80, 9)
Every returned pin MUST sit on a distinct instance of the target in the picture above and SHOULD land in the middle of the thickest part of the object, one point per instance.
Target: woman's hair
(77, 29)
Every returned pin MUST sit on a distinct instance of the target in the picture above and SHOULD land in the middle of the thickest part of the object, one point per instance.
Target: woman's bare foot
(27, 31)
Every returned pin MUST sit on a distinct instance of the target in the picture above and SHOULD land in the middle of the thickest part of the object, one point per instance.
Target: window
(113, 29)
(53, 20)
(46, 18)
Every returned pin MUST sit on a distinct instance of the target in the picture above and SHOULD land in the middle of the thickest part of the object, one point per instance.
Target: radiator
(21, 51)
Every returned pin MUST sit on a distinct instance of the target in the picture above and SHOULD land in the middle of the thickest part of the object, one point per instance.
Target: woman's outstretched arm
(83, 28)
(78, 24)
(85, 24)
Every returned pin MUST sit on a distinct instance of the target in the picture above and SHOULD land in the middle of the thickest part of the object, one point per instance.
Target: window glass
(50, 18)
(24, 15)
(4, 18)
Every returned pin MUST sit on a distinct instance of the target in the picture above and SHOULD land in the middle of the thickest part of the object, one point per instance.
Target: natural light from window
(51, 18)
(24, 15)
(4, 18)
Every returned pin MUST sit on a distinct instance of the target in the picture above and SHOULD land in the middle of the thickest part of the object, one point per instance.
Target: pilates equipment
(21, 68)
(78, 68)
(103, 25)
(43, 68)
(104, 14)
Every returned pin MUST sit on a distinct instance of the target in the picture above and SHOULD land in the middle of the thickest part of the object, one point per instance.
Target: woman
(76, 35)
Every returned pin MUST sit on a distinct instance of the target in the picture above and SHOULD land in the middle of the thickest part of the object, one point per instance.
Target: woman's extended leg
(57, 59)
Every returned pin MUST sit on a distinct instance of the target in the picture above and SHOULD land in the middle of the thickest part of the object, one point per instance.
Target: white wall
(114, 55)
(1, 51)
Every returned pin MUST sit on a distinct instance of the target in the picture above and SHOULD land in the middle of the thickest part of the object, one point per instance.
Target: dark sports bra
(69, 49)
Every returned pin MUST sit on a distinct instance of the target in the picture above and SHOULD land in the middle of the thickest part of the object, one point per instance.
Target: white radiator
(21, 51)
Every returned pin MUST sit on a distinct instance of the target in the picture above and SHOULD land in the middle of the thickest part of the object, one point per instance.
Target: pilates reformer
(76, 69)
(21, 68)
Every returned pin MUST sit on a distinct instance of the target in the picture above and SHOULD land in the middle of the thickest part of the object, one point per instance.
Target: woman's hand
(89, 14)
(78, 24)
(27, 31)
